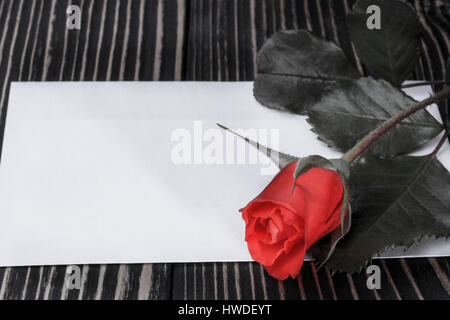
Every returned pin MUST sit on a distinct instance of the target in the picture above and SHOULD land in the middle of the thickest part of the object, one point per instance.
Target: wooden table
(193, 40)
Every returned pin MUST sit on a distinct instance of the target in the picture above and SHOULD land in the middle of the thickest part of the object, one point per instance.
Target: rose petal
(279, 192)
(281, 226)
(265, 254)
(288, 264)
(323, 193)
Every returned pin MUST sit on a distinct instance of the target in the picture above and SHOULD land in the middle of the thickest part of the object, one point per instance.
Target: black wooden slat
(441, 272)
(342, 287)
(15, 283)
(117, 51)
(55, 286)
(220, 281)
(317, 27)
(129, 280)
(427, 280)
(18, 40)
(130, 41)
(30, 288)
(246, 281)
(171, 12)
(232, 290)
(360, 286)
(326, 284)
(179, 281)
(344, 40)
(208, 280)
(401, 280)
(71, 54)
(388, 289)
(56, 50)
(161, 282)
(328, 21)
(8, 58)
(291, 290)
(7, 39)
(40, 43)
(91, 284)
(308, 281)
(108, 287)
(31, 12)
(259, 282)
(272, 286)
(444, 263)
(190, 281)
(91, 43)
(289, 14)
(44, 280)
(105, 43)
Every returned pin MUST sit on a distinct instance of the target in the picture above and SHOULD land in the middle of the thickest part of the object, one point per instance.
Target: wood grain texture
(202, 40)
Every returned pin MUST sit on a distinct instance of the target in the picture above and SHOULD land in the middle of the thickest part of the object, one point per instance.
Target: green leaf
(391, 52)
(295, 69)
(279, 158)
(352, 110)
(396, 202)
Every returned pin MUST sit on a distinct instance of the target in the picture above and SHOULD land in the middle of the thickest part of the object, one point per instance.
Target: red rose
(280, 226)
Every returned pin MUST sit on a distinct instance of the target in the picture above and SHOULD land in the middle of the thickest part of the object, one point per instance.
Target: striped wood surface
(194, 40)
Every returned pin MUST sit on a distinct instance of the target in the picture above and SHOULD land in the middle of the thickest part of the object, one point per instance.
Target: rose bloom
(281, 226)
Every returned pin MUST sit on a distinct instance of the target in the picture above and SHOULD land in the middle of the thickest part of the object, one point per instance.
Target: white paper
(87, 173)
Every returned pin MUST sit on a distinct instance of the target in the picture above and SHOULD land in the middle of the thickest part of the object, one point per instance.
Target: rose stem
(363, 144)
(424, 83)
(440, 144)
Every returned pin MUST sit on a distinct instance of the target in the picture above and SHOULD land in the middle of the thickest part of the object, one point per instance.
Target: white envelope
(132, 172)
